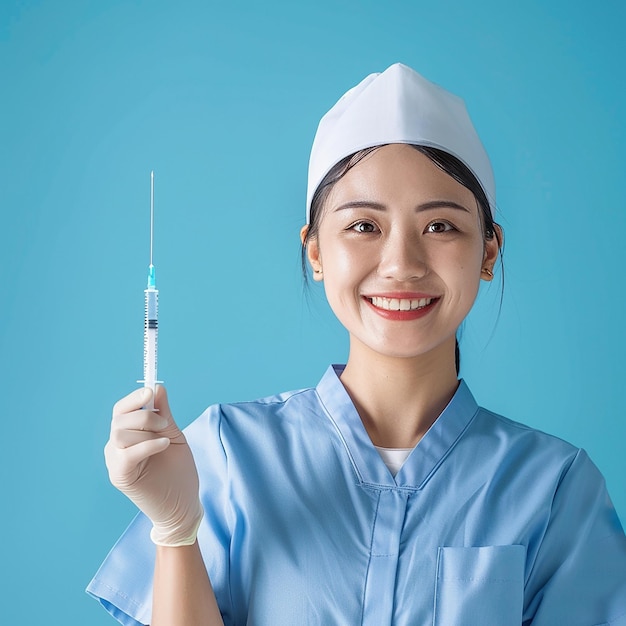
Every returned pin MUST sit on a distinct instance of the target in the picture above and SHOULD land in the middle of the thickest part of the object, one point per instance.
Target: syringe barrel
(150, 339)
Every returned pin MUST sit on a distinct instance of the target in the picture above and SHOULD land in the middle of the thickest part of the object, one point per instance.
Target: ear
(312, 253)
(492, 249)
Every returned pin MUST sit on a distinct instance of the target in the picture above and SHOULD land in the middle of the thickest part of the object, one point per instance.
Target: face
(400, 249)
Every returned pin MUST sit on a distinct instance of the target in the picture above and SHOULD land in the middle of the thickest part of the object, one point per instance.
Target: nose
(402, 257)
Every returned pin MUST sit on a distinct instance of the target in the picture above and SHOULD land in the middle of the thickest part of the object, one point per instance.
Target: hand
(150, 462)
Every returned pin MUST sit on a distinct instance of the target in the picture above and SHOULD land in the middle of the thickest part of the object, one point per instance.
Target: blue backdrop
(222, 101)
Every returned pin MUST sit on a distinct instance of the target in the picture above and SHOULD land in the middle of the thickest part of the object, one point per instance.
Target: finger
(122, 462)
(139, 420)
(127, 438)
(145, 449)
(127, 429)
(162, 404)
(133, 401)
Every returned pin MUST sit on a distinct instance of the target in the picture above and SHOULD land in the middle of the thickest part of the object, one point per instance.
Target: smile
(400, 304)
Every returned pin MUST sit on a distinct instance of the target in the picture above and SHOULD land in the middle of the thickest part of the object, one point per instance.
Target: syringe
(150, 325)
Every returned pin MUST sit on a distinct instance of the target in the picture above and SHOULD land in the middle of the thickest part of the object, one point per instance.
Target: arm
(182, 591)
(149, 460)
(579, 573)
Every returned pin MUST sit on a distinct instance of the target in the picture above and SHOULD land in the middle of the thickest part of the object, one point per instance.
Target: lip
(401, 295)
(402, 316)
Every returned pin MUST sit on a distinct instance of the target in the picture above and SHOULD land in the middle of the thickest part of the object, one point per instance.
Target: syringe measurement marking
(150, 344)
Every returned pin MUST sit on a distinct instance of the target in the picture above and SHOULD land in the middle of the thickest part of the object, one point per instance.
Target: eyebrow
(377, 206)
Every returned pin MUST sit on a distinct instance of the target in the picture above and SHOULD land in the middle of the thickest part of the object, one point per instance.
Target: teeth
(396, 304)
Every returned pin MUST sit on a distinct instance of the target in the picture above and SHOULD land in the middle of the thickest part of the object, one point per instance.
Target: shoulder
(285, 405)
(258, 418)
(510, 453)
(521, 436)
(495, 438)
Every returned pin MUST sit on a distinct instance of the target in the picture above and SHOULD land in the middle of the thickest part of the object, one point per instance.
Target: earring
(319, 271)
(487, 271)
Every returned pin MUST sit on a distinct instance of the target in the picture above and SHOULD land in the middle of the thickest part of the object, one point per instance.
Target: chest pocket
(480, 586)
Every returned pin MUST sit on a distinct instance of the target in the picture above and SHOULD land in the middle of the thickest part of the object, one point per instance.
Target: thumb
(161, 404)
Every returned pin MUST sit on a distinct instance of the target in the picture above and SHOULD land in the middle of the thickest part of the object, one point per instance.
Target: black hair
(450, 164)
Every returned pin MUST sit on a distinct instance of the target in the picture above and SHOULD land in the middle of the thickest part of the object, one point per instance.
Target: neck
(399, 398)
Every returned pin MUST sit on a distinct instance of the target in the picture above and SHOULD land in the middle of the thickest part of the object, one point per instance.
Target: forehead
(398, 173)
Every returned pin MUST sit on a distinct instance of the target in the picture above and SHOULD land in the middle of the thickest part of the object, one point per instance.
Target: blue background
(222, 101)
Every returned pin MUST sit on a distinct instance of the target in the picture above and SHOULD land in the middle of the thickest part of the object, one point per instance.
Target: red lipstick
(416, 311)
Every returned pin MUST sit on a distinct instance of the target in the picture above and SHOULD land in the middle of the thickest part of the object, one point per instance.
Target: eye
(439, 227)
(363, 227)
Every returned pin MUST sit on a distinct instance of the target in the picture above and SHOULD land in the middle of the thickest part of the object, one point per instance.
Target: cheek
(343, 262)
(344, 272)
(464, 258)
(474, 257)
(339, 278)
(463, 271)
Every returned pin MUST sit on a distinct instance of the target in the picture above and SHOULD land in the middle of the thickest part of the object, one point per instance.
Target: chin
(408, 348)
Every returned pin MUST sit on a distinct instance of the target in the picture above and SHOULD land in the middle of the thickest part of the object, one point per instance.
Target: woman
(385, 495)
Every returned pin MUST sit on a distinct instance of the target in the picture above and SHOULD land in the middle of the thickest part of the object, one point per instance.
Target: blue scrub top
(488, 522)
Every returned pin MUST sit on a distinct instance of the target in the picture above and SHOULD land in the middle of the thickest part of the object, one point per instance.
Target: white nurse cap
(397, 106)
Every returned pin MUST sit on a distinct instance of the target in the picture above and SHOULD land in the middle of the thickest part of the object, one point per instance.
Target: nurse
(385, 495)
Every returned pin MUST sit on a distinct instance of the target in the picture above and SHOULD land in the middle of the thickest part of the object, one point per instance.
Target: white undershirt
(394, 458)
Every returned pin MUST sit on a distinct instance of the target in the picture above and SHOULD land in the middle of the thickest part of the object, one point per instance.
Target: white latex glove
(150, 462)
